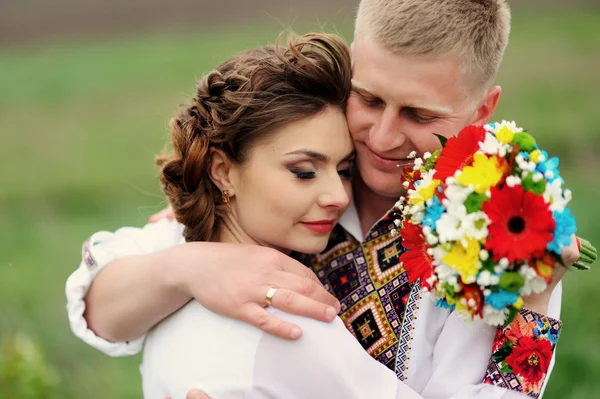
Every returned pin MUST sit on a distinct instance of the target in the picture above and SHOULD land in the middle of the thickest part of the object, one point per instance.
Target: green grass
(81, 122)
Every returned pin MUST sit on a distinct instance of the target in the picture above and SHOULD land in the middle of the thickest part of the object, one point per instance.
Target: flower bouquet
(485, 220)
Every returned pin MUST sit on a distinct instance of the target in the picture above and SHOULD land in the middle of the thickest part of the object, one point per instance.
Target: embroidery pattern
(86, 255)
(378, 303)
(522, 352)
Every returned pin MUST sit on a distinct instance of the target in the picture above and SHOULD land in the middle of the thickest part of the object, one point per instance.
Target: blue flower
(441, 303)
(550, 166)
(433, 213)
(563, 232)
(501, 299)
(553, 335)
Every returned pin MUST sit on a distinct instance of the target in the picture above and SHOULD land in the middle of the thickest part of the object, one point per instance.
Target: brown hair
(243, 100)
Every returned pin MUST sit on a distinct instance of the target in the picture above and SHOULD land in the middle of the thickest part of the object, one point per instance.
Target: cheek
(269, 204)
(358, 116)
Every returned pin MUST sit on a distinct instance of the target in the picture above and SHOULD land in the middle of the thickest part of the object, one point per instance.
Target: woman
(263, 156)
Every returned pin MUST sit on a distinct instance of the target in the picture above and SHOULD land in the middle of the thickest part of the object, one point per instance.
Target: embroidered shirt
(431, 349)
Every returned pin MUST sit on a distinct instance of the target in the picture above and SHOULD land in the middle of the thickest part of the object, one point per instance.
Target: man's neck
(370, 206)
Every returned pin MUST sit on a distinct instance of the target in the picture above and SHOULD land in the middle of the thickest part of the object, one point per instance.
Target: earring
(225, 197)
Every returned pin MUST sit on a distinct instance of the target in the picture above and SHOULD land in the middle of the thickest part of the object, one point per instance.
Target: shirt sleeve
(462, 356)
(326, 362)
(97, 252)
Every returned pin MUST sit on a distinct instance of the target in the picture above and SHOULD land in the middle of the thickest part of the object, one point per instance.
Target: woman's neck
(370, 206)
(229, 230)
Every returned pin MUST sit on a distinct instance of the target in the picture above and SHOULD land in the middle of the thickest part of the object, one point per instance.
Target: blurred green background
(84, 106)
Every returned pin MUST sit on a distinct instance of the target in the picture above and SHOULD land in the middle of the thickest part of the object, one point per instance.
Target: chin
(310, 246)
(383, 184)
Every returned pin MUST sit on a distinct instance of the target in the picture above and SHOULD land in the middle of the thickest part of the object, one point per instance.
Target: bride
(262, 156)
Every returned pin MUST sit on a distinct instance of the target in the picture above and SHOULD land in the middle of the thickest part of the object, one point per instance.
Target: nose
(387, 134)
(334, 193)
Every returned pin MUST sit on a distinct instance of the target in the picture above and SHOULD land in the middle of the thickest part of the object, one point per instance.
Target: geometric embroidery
(382, 255)
(86, 255)
(367, 322)
(373, 289)
(344, 280)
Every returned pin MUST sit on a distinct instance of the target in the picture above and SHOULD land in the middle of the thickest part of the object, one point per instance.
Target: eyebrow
(416, 106)
(318, 156)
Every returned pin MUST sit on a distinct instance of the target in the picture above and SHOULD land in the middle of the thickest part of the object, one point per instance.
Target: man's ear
(487, 106)
(220, 170)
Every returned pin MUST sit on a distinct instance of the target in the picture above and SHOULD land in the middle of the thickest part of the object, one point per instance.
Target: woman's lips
(320, 226)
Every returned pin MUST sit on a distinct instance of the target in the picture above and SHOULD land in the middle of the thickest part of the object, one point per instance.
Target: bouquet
(485, 220)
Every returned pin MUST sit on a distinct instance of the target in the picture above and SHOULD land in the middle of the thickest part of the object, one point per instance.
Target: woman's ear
(220, 170)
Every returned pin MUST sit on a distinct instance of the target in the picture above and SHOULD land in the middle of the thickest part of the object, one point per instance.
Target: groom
(419, 66)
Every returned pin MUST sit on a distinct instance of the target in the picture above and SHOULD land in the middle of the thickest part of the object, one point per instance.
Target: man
(419, 66)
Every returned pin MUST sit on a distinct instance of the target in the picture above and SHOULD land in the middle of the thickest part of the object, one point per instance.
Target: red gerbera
(411, 176)
(416, 260)
(459, 151)
(521, 224)
(530, 359)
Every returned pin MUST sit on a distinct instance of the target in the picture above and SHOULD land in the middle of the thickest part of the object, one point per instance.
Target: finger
(196, 394)
(291, 302)
(259, 317)
(305, 287)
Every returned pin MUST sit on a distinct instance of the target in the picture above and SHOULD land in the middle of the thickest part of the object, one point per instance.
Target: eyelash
(302, 175)
(415, 117)
(411, 114)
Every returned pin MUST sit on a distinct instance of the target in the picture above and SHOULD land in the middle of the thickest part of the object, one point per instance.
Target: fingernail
(330, 313)
(295, 333)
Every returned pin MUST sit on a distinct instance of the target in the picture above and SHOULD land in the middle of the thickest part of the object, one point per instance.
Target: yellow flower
(535, 156)
(505, 135)
(464, 260)
(519, 303)
(544, 269)
(484, 174)
(424, 193)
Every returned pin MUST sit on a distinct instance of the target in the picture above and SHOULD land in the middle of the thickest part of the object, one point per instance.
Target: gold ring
(270, 295)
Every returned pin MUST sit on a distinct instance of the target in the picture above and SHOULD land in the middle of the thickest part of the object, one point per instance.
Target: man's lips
(385, 162)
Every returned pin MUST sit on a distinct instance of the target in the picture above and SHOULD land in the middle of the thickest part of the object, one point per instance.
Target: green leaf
(442, 139)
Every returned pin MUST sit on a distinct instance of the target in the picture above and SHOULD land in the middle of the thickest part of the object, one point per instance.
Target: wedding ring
(270, 295)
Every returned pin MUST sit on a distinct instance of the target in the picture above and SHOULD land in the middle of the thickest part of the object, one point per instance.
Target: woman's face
(295, 184)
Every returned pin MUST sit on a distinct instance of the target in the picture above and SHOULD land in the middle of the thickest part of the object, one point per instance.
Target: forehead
(410, 80)
(325, 132)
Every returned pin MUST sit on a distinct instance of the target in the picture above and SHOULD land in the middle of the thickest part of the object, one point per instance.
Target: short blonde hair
(474, 30)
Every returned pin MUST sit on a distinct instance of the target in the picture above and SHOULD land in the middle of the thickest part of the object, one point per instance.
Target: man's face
(397, 103)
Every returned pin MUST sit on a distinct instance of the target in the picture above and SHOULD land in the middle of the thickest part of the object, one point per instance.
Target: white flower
(512, 125)
(417, 164)
(494, 316)
(554, 195)
(484, 255)
(427, 155)
(512, 181)
(412, 155)
(534, 284)
(484, 278)
(492, 146)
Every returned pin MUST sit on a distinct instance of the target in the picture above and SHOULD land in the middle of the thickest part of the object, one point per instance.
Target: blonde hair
(474, 30)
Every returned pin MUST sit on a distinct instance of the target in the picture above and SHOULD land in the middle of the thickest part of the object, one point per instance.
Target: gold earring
(225, 197)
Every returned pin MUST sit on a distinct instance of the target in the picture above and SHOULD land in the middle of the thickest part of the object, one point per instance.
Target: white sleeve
(98, 251)
(463, 357)
(326, 362)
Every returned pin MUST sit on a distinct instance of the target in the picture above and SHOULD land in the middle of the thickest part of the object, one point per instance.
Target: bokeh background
(86, 91)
